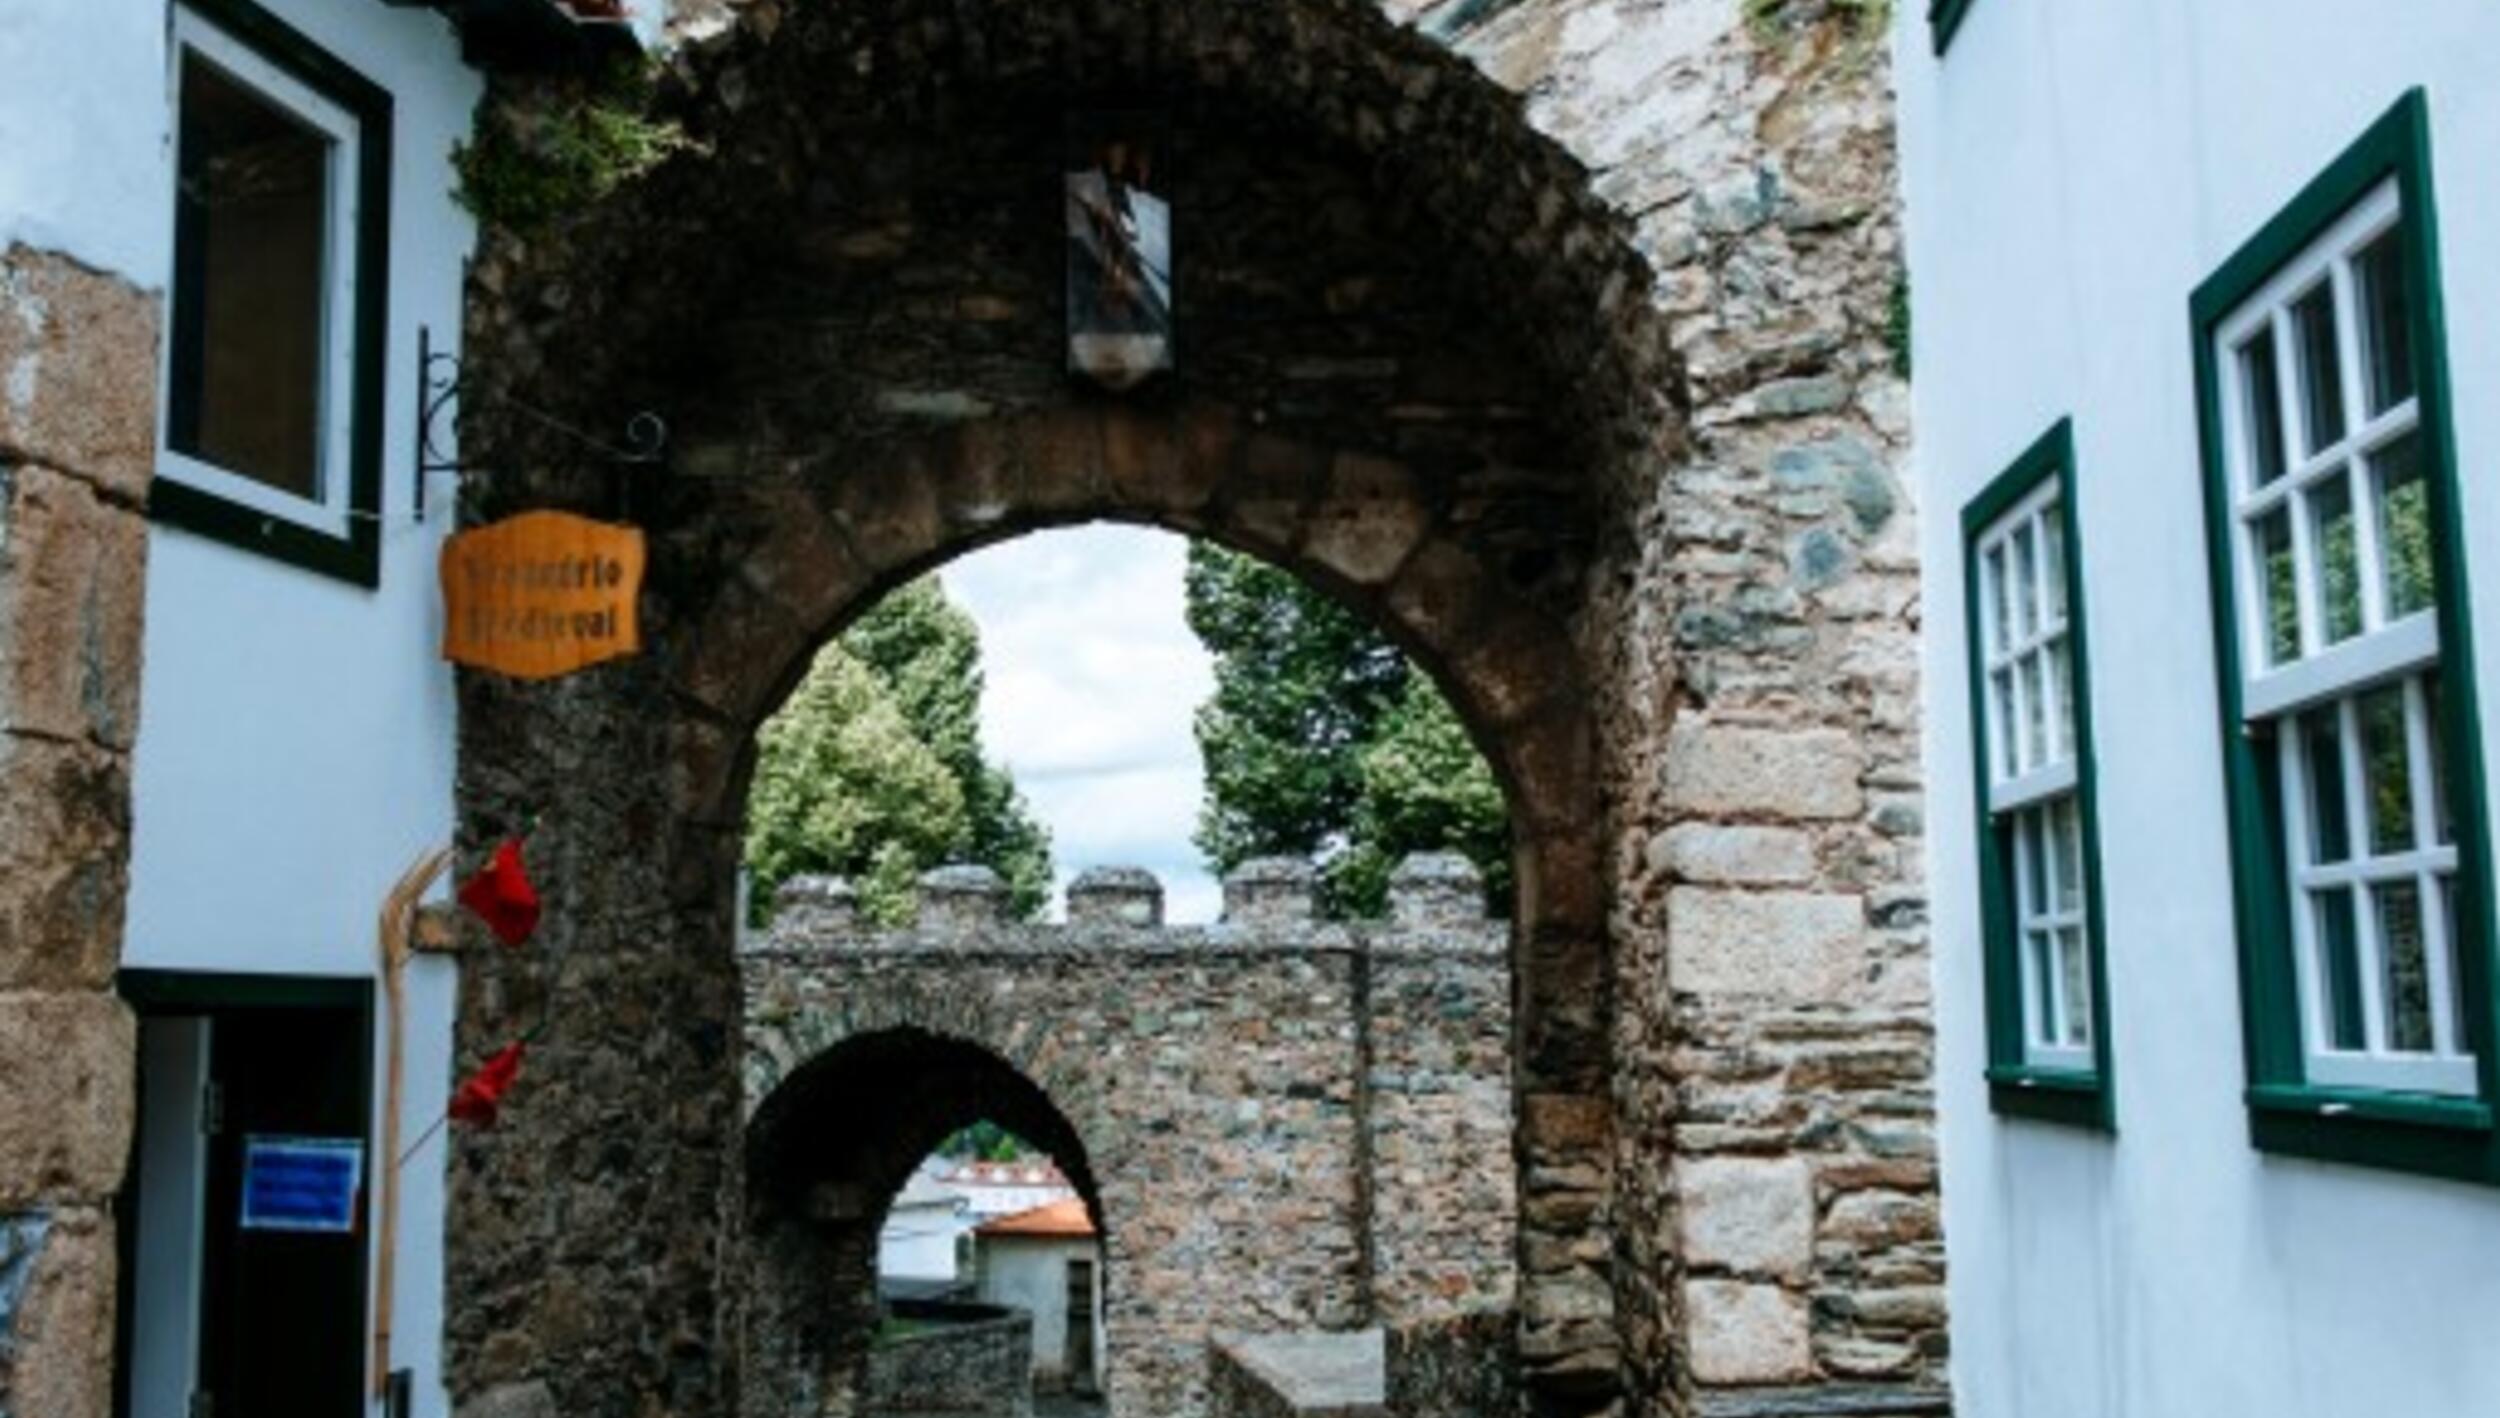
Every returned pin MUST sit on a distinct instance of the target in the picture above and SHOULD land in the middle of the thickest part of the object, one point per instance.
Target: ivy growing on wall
(538, 154)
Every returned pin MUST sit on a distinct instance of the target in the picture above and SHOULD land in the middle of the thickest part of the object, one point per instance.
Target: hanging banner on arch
(542, 594)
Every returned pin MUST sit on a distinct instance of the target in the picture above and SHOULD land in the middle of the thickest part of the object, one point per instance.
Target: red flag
(502, 896)
(480, 1096)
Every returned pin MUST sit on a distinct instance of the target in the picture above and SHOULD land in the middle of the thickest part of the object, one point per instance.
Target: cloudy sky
(1092, 677)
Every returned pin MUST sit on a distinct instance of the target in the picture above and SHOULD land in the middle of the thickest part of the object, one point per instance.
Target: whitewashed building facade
(275, 177)
(2207, 390)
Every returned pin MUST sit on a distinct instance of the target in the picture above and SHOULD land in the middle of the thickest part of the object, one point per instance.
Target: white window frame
(331, 512)
(2046, 782)
(2332, 678)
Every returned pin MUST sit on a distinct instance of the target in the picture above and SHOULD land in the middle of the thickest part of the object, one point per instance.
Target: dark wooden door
(282, 1323)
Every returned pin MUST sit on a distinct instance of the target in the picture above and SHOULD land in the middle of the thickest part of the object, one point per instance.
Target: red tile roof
(1060, 1218)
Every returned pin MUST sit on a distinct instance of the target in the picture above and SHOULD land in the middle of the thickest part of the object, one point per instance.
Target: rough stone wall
(1309, 1375)
(1461, 1366)
(864, 370)
(1249, 1173)
(1665, 246)
(1759, 634)
(1436, 1103)
(958, 1361)
(77, 448)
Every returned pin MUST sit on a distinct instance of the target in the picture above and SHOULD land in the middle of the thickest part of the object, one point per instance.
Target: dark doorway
(1081, 1326)
(248, 1248)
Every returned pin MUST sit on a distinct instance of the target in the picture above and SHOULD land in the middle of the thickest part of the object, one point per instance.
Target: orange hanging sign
(542, 594)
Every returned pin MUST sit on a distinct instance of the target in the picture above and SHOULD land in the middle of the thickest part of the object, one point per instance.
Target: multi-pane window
(273, 345)
(2323, 451)
(2026, 662)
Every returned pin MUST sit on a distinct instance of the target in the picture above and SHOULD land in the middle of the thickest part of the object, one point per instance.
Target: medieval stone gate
(1607, 452)
(1280, 1124)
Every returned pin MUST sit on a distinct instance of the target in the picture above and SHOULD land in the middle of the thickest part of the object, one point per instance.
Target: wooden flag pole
(397, 928)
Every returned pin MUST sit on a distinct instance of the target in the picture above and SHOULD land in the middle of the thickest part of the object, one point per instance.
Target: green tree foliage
(986, 1141)
(1322, 740)
(1424, 789)
(874, 770)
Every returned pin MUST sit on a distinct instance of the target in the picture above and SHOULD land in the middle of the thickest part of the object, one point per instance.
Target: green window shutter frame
(2084, 1098)
(1943, 18)
(2435, 1135)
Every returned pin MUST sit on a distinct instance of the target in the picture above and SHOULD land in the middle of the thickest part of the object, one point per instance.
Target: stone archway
(847, 300)
(1363, 527)
(827, 1148)
(858, 345)
(1280, 1124)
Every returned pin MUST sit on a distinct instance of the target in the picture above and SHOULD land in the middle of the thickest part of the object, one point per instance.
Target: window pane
(2404, 525)
(2279, 585)
(2338, 557)
(2035, 715)
(2062, 697)
(2408, 984)
(2330, 830)
(2026, 584)
(2041, 954)
(2386, 338)
(2066, 834)
(2035, 882)
(2078, 987)
(250, 235)
(2383, 773)
(2002, 695)
(2053, 563)
(2321, 384)
(2339, 967)
(1998, 635)
(2456, 996)
(2262, 404)
(2438, 737)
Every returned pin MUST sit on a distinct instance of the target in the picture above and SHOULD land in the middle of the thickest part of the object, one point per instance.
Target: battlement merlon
(1436, 907)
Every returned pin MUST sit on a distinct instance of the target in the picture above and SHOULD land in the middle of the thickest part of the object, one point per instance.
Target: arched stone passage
(827, 1148)
(1281, 1124)
(1366, 529)
(1418, 368)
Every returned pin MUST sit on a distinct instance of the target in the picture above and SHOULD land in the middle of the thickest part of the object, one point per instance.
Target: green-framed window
(273, 377)
(2361, 863)
(1943, 18)
(2038, 820)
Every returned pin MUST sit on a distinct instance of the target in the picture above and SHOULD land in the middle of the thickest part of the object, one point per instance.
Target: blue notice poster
(301, 1183)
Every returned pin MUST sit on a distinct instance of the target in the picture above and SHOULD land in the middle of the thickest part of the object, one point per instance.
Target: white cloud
(1092, 678)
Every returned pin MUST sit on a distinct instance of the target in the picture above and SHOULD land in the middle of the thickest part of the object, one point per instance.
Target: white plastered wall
(296, 742)
(2072, 172)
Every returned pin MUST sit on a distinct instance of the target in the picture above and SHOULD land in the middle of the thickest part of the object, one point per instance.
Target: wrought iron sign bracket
(441, 385)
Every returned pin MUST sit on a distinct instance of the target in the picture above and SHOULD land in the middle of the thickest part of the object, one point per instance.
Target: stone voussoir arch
(781, 515)
(1278, 1122)
(1359, 526)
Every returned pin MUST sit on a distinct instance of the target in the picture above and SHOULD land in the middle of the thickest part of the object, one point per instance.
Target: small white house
(921, 1246)
(278, 175)
(1048, 1263)
(992, 1189)
(2206, 336)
